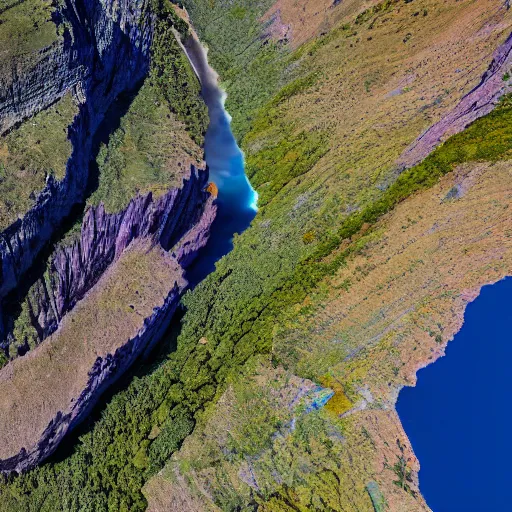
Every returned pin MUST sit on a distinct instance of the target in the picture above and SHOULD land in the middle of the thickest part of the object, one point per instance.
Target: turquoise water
(458, 417)
(237, 201)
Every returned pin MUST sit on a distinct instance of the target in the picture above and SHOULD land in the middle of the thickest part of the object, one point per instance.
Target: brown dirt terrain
(300, 20)
(34, 388)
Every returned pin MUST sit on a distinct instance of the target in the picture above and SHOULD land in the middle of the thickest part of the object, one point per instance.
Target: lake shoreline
(425, 440)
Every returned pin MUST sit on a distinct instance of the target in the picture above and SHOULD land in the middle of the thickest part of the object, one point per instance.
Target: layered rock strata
(95, 344)
(115, 322)
(108, 294)
(104, 51)
(74, 269)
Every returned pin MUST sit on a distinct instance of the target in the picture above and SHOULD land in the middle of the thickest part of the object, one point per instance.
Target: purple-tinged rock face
(104, 54)
(477, 103)
(110, 306)
(179, 220)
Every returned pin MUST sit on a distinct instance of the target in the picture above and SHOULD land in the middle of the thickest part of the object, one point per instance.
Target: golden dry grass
(403, 293)
(376, 93)
(300, 20)
(48, 379)
(402, 297)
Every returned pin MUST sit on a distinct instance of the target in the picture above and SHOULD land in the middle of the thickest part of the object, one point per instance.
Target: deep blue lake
(236, 198)
(459, 416)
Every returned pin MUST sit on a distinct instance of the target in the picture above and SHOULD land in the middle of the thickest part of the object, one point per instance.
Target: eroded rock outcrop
(75, 268)
(109, 292)
(105, 51)
(477, 103)
(93, 347)
(115, 322)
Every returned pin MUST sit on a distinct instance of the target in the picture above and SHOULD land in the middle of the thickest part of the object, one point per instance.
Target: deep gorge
(179, 220)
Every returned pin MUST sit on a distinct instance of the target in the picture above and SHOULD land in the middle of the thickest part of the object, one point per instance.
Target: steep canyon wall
(105, 50)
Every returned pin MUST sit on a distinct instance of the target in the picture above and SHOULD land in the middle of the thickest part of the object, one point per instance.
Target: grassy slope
(38, 147)
(267, 163)
(374, 321)
(25, 28)
(161, 134)
(238, 307)
(250, 70)
(151, 138)
(59, 368)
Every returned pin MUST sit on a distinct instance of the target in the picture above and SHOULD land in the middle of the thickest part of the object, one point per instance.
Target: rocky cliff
(109, 291)
(104, 371)
(104, 51)
(352, 275)
(105, 273)
(74, 269)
